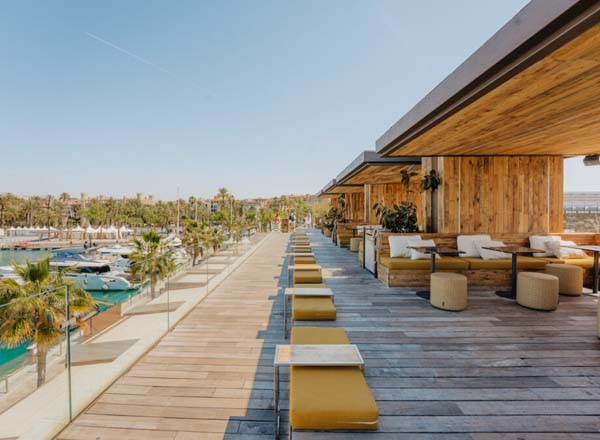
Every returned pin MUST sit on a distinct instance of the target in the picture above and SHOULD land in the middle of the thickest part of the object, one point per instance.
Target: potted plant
(329, 222)
(397, 218)
(403, 217)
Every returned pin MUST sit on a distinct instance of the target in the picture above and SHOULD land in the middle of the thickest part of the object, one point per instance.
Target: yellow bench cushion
(318, 335)
(554, 260)
(302, 250)
(447, 263)
(523, 263)
(584, 263)
(313, 308)
(329, 398)
(307, 276)
(305, 260)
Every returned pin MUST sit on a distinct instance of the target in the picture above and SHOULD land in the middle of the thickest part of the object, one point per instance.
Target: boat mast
(177, 230)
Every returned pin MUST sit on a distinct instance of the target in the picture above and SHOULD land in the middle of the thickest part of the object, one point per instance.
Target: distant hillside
(582, 222)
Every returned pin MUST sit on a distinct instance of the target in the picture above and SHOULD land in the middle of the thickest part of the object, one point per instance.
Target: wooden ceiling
(550, 108)
(378, 173)
(342, 189)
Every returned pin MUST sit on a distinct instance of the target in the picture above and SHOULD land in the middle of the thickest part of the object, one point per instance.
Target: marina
(303, 220)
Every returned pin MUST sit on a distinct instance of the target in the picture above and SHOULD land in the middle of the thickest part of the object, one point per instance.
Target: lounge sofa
(398, 271)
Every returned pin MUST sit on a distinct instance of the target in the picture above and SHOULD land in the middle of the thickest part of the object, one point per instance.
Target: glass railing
(56, 357)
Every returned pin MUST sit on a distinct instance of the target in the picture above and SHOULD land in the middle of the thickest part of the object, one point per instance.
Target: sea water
(8, 257)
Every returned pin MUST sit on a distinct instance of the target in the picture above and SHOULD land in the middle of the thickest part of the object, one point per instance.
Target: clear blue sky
(263, 97)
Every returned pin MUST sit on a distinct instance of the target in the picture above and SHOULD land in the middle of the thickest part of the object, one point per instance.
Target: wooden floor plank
(494, 371)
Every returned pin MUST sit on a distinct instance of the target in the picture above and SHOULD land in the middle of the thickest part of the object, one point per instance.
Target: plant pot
(327, 232)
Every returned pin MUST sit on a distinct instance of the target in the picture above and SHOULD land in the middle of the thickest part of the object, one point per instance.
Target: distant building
(212, 205)
(252, 203)
(581, 202)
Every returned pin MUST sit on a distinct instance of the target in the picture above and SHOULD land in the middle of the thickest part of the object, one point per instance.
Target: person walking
(292, 220)
(277, 222)
(307, 220)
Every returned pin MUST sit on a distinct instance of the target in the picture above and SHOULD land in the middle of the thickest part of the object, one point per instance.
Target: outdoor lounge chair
(307, 277)
(313, 308)
(329, 398)
(309, 259)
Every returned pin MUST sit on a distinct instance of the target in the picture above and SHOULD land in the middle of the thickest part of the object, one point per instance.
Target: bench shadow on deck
(494, 371)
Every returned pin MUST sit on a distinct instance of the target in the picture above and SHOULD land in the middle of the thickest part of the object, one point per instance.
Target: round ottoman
(355, 243)
(570, 278)
(448, 291)
(538, 291)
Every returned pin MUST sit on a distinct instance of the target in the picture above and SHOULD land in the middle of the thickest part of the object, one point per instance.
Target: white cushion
(399, 245)
(416, 255)
(559, 249)
(487, 254)
(539, 242)
(466, 244)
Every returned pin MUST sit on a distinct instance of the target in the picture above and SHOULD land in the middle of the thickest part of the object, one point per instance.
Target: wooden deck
(495, 371)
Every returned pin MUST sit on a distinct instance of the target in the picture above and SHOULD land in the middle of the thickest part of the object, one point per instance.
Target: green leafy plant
(152, 257)
(430, 181)
(341, 217)
(406, 176)
(330, 218)
(401, 217)
(397, 218)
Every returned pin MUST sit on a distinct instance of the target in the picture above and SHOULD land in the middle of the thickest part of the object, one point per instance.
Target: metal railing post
(68, 333)
(168, 286)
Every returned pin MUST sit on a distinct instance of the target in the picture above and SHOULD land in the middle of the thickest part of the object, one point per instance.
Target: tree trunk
(42, 355)
(153, 285)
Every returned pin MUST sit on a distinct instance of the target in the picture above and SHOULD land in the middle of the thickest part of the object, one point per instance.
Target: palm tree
(152, 257)
(33, 308)
(224, 196)
(213, 237)
(193, 206)
(193, 237)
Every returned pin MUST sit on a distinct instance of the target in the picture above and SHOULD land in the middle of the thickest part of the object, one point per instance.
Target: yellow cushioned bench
(313, 308)
(304, 260)
(307, 276)
(523, 263)
(329, 398)
(444, 263)
(302, 250)
(584, 263)
(318, 335)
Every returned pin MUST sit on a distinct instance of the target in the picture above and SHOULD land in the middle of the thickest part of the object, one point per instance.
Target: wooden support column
(495, 194)
(367, 204)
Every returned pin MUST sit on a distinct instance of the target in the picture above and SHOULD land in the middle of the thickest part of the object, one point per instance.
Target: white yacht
(117, 254)
(90, 274)
(180, 256)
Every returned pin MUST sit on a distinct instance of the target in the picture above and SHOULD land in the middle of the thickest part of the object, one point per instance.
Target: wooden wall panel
(355, 207)
(499, 194)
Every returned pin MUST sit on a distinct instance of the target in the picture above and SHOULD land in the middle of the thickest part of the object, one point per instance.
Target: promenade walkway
(495, 371)
(210, 375)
